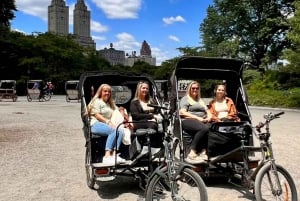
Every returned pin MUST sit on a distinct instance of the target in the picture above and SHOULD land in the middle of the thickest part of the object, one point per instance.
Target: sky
(165, 24)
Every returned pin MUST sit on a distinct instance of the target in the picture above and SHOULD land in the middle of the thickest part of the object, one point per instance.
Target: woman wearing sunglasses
(195, 117)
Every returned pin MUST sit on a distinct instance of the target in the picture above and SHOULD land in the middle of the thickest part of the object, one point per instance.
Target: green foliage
(250, 75)
(260, 96)
(259, 27)
(45, 56)
(292, 54)
(6, 9)
(272, 90)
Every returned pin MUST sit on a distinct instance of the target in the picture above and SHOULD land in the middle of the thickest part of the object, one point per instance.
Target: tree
(259, 27)
(6, 12)
(292, 54)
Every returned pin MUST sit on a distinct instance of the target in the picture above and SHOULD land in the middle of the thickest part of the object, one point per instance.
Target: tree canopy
(292, 54)
(250, 29)
(7, 8)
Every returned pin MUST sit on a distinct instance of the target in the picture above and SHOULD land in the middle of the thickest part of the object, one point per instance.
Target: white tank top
(221, 108)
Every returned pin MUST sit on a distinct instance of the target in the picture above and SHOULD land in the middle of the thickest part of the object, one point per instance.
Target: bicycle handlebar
(157, 106)
(269, 117)
(278, 114)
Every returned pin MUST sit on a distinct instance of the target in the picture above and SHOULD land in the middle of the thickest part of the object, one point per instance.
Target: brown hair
(217, 86)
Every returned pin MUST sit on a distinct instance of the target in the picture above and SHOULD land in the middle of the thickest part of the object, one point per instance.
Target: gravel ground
(42, 155)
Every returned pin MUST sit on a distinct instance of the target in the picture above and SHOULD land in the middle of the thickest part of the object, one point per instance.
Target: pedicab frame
(238, 162)
(143, 165)
(34, 94)
(71, 89)
(8, 90)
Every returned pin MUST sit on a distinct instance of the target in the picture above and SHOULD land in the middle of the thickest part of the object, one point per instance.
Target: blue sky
(164, 24)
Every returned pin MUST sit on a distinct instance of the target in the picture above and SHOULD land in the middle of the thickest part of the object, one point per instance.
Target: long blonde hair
(191, 100)
(137, 95)
(189, 88)
(98, 95)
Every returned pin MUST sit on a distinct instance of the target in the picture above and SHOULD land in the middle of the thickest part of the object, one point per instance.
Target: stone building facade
(58, 21)
(145, 56)
(113, 56)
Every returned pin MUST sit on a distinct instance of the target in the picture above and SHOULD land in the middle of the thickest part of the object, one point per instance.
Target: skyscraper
(58, 18)
(58, 21)
(82, 24)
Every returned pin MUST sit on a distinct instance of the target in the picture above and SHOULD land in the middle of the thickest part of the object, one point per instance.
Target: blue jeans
(103, 129)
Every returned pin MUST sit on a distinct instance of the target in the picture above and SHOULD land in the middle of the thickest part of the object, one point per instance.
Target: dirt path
(42, 155)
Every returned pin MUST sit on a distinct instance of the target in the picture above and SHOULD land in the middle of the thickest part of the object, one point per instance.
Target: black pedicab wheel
(90, 177)
(29, 99)
(47, 96)
(15, 97)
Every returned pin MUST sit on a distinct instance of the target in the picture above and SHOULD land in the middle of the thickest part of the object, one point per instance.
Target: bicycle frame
(174, 166)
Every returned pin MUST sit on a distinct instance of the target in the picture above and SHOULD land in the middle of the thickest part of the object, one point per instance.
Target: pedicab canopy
(210, 71)
(123, 86)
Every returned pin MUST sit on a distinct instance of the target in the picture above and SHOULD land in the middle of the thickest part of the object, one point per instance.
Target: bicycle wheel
(29, 99)
(266, 185)
(188, 186)
(90, 177)
(47, 97)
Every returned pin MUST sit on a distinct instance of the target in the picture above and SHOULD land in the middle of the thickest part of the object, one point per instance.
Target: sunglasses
(195, 88)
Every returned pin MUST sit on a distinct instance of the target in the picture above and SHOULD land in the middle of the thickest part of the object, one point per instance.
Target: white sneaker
(119, 159)
(108, 160)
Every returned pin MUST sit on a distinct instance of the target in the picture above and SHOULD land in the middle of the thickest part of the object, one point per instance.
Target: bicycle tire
(47, 97)
(29, 99)
(190, 186)
(90, 177)
(265, 179)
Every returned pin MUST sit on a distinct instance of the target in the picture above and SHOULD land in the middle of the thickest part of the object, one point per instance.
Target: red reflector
(101, 171)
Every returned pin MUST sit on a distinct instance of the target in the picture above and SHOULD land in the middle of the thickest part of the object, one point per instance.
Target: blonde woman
(100, 110)
(195, 118)
(144, 116)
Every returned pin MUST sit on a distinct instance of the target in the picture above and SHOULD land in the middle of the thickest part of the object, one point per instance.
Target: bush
(274, 98)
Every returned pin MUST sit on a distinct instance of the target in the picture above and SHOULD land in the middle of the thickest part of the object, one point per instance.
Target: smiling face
(105, 93)
(144, 91)
(220, 91)
(195, 91)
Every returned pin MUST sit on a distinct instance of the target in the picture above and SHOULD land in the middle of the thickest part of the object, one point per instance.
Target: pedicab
(8, 90)
(71, 88)
(157, 172)
(37, 90)
(232, 151)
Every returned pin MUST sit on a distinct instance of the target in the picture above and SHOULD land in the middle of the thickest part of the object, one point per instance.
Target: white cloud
(174, 38)
(34, 7)
(119, 9)
(172, 20)
(99, 38)
(98, 27)
(127, 43)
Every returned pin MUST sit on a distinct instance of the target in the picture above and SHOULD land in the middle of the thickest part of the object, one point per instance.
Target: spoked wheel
(188, 186)
(268, 187)
(90, 177)
(29, 99)
(15, 97)
(47, 96)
